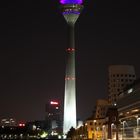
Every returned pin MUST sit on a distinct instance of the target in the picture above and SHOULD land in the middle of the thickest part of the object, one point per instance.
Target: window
(122, 85)
(90, 123)
(133, 75)
(114, 118)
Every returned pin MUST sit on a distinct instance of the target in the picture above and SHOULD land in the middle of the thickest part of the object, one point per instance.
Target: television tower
(71, 10)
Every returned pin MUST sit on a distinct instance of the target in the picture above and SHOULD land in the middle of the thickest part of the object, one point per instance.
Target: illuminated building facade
(8, 122)
(71, 10)
(101, 108)
(120, 76)
(95, 124)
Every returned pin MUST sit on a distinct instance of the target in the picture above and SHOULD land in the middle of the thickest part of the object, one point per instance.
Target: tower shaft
(71, 13)
(70, 85)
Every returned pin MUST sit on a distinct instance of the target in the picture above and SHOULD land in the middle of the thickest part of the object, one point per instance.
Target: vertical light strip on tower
(71, 10)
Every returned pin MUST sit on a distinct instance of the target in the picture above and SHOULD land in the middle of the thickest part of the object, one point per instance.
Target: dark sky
(33, 39)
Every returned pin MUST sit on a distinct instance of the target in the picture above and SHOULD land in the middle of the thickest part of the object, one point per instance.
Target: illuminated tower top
(71, 10)
(71, 1)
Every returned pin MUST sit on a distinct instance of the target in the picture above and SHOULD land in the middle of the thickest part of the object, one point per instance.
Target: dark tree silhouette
(71, 133)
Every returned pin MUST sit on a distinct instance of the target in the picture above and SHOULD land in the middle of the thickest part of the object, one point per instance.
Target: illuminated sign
(21, 124)
(53, 103)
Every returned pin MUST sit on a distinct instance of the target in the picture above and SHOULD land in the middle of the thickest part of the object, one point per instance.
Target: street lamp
(104, 132)
(94, 122)
(138, 119)
(85, 130)
(123, 128)
(113, 133)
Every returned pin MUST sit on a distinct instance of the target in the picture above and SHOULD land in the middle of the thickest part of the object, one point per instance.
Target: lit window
(130, 91)
(135, 110)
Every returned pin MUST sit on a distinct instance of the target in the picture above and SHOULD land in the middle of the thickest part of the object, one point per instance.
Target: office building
(120, 76)
(54, 117)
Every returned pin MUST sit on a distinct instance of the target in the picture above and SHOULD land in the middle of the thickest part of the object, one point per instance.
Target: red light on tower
(53, 103)
(68, 49)
(73, 49)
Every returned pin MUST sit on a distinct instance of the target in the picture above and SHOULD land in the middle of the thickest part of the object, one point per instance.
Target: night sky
(33, 39)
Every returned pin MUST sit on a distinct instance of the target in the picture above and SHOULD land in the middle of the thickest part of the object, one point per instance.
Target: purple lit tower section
(71, 10)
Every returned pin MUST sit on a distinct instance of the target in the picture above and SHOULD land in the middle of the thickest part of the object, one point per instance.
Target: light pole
(138, 119)
(85, 130)
(123, 128)
(113, 133)
(94, 129)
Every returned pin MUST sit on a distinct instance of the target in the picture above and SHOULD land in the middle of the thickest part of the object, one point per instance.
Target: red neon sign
(53, 103)
(21, 124)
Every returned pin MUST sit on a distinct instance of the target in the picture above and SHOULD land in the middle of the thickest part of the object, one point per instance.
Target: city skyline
(32, 54)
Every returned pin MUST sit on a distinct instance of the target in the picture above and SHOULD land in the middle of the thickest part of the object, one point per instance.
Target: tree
(71, 133)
